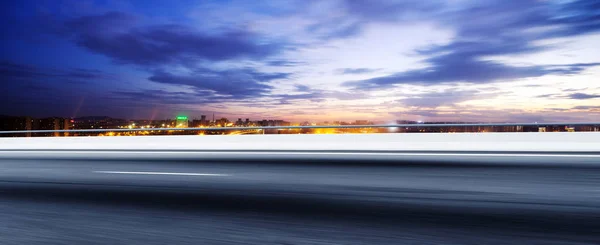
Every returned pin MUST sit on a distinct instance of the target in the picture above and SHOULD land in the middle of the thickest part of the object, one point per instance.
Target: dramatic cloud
(341, 59)
(546, 96)
(384, 10)
(512, 115)
(39, 91)
(586, 108)
(337, 29)
(241, 83)
(284, 63)
(575, 18)
(353, 15)
(500, 29)
(302, 88)
(355, 70)
(445, 98)
(459, 68)
(583, 96)
(162, 97)
(117, 36)
(12, 72)
(316, 95)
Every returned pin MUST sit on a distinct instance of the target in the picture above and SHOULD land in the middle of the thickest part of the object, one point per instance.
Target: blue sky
(488, 61)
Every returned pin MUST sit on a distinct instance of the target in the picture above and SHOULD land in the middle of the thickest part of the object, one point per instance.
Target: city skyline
(205, 118)
(182, 125)
(342, 60)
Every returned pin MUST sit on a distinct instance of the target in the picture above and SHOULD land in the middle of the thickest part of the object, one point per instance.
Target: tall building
(67, 124)
(28, 123)
(197, 123)
(16, 123)
(53, 123)
(102, 122)
(182, 122)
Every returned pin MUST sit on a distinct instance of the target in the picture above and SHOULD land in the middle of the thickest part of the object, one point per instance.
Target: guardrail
(302, 127)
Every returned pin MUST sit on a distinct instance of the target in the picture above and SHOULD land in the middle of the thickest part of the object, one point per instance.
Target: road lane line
(160, 173)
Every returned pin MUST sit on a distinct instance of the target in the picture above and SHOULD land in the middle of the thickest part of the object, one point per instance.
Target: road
(544, 199)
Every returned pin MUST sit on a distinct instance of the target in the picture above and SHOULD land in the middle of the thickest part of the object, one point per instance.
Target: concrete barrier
(489, 142)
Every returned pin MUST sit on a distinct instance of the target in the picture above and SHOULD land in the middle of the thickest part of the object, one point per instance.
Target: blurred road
(79, 201)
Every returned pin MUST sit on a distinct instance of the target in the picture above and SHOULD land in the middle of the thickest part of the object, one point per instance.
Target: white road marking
(160, 173)
(321, 153)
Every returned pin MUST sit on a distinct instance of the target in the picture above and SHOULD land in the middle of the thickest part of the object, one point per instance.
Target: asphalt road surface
(79, 201)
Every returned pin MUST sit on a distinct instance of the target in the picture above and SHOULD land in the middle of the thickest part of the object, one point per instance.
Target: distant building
(222, 122)
(239, 122)
(97, 122)
(67, 124)
(281, 123)
(361, 122)
(53, 123)
(590, 128)
(273, 123)
(16, 123)
(196, 123)
(182, 122)
(200, 123)
(203, 121)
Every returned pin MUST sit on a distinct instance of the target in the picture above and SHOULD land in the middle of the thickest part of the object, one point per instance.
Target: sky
(303, 60)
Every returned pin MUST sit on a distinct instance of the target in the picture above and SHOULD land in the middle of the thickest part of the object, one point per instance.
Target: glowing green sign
(181, 118)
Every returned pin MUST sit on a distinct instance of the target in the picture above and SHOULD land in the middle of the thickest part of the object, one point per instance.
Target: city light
(147, 127)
